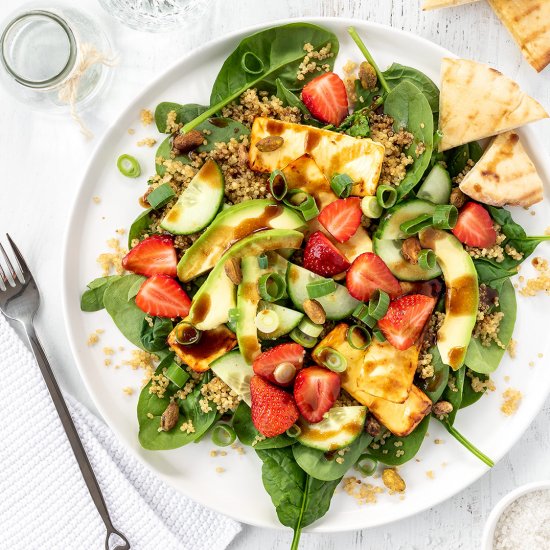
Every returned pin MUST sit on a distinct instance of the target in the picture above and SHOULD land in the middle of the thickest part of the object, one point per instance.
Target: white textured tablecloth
(44, 502)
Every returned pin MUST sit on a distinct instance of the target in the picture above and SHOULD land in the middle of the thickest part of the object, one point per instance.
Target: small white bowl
(491, 523)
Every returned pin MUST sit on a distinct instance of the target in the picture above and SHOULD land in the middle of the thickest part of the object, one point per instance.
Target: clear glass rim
(72, 50)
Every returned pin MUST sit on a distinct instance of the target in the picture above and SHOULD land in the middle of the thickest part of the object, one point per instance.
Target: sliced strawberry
(341, 218)
(315, 390)
(273, 409)
(162, 296)
(280, 364)
(405, 319)
(369, 273)
(155, 255)
(322, 257)
(326, 98)
(475, 226)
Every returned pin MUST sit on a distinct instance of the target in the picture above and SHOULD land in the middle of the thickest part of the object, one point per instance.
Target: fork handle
(70, 430)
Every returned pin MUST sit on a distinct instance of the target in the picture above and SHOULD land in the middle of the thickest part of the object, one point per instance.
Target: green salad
(308, 272)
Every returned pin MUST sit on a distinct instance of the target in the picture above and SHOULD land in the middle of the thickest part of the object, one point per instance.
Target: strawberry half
(326, 98)
(162, 296)
(341, 218)
(405, 319)
(155, 255)
(280, 364)
(273, 410)
(369, 273)
(475, 226)
(322, 257)
(315, 391)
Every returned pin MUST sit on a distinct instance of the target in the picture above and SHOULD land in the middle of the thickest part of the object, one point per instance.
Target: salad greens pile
(300, 468)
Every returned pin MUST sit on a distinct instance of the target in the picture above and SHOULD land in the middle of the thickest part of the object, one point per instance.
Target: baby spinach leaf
(410, 109)
(140, 225)
(492, 274)
(92, 299)
(469, 395)
(190, 410)
(453, 392)
(247, 433)
(410, 445)
(299, 499)
(463, 441)
(126, 315)
(262, 58)
(184, 113)
(321, 465)
(483, 359)
(434, 386)
(153, 338)
(458, 157)
(292, 100)
(396, 73)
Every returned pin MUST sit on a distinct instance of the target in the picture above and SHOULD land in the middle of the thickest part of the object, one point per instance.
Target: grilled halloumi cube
(213, 344)
(359, 158)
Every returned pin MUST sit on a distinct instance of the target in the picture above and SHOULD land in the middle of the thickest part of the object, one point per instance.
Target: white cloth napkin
(44, 502)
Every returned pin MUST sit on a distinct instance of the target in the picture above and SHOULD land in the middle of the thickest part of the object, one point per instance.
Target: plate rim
(317, 527)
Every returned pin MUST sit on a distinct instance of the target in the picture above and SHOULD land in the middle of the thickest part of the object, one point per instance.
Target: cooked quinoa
(512, 399)
(363, 493)
(540, 283)
(149, 142)
(312, 60)
(146, 116)
(487, 324)
(112, 261)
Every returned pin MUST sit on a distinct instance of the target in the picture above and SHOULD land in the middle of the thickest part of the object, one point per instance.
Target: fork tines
(8, 274)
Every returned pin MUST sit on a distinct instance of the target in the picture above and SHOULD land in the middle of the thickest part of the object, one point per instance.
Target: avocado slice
(230, 226)
(462, 295)
(212, 302)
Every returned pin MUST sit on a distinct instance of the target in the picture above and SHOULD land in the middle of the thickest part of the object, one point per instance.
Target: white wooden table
(42, 161)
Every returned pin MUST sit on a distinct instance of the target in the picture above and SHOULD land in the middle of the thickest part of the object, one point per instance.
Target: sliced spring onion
(370, 207)
(386, 195)
(277, 185)
(378, 304)
(294, 431)
(272, 287)
(187, 334)
(233, 314)
(412, 227)
(176, 374)
(358, 337)
(267, 321)
(309, 328)
(160, 196)
(361, 313)
(303, 339)
(332, 359)
(128, 166)
(366, 464)
(263, 261)
(427, 259)
(223, 435)
(232, 326)
(445, 216)
(377, 333)
(341, 184)
(302, 201)
(320, 288)
(251, 63)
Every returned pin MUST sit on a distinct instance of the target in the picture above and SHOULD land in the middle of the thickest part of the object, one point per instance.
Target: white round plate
(238, 492)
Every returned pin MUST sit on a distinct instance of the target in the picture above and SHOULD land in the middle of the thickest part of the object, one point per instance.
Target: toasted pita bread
(477, 101)
(504, 175)
(435, 4)
(529, 23)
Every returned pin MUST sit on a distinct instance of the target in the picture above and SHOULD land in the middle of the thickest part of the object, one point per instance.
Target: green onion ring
(320, 288)
(378, 304)
(445, 216)
(386, 195)
(272, 287)
(247, 68)
(128, 166)
(278, 186)
(366, 464)
(427, 259)
(302, 201)
(365, 335)
(331, 359)
(233, 314)
(341, 184)
(187, 334)
(294, 431)
(412, 227)
(378, 334)
(262, 261)
(303, 339)
(223, 435)
(176, 374)
(371, 208)
(361, 313)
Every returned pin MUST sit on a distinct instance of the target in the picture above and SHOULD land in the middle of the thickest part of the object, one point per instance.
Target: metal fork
(19, 301)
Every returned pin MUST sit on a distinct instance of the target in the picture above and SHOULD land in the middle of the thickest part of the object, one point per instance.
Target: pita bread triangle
(504, 175)
(529, 24)
(435, 4)
(477, 101)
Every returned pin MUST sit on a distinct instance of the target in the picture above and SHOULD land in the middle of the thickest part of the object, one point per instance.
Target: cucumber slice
(288, 319)
(337, 305)
(388, 240)
(340, 428)
(198, 205)
(235, 372)
(436, 187)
